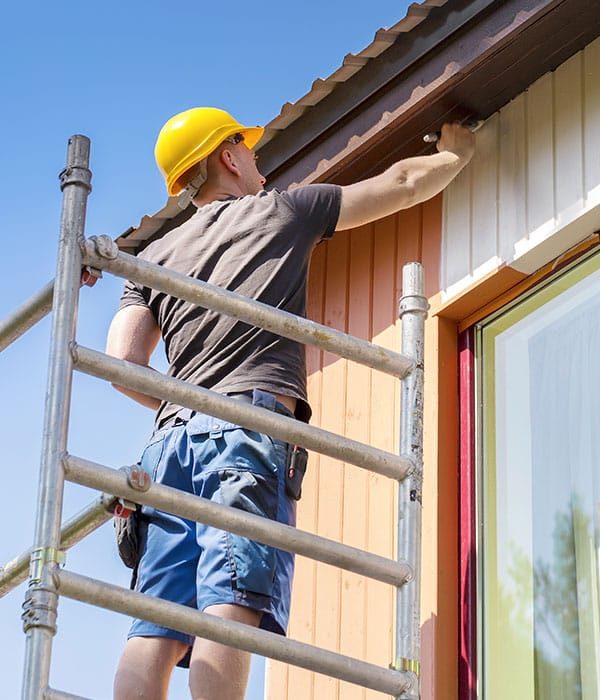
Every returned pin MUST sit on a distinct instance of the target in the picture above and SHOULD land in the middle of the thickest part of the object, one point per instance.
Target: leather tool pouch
(297, 458)
(127, 535)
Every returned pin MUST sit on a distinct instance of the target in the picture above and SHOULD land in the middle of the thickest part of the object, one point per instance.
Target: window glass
(539, 493)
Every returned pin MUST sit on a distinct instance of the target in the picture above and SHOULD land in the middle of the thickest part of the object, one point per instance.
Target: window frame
(471, 473)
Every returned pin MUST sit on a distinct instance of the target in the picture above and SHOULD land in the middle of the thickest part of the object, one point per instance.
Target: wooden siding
(533, 188)
(354, 286)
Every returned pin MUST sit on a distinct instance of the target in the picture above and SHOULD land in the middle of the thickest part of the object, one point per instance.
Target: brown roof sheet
(352, 64)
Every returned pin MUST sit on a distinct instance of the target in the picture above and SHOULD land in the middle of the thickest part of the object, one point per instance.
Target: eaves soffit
(465, 59)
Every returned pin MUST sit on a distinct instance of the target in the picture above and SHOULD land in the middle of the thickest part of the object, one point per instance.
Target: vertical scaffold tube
(40, 607)
(413, 312)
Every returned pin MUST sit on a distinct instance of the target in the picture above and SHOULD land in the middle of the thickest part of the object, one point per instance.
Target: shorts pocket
(252, 563)
(152, 454)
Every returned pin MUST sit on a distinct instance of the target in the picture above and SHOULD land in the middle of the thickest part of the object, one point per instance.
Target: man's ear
(227, 158)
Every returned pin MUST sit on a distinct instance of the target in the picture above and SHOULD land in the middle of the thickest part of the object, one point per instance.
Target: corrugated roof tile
(352, 64)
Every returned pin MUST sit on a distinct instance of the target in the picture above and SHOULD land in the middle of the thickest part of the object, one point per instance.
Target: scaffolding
(48, 579)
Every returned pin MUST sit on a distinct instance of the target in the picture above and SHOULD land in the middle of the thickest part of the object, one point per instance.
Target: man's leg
(219, 672)
(145, 667)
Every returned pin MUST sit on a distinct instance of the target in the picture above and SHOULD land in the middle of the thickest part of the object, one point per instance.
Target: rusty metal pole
(41, 600)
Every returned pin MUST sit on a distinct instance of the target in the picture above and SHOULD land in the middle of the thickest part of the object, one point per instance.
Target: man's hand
(88, 278)
(457, 139)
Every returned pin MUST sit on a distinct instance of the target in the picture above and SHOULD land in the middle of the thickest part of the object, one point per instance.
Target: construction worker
(257, 243)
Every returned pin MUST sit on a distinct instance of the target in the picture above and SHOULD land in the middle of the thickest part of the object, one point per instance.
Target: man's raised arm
(407, 182)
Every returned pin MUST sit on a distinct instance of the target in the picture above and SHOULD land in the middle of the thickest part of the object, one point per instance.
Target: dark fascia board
(475, 71)
(409, 48)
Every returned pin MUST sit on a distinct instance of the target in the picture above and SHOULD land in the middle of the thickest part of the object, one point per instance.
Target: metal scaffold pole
(413, 312)
(40, 607)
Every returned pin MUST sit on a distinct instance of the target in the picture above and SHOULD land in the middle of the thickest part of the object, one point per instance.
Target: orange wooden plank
(381, 492)
(409, 226)
(329, 513)
(302, 627)
(276, 678)
(357, 423)
(432, 244)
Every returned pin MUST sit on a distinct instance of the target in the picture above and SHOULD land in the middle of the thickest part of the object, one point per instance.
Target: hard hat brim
(252, 135)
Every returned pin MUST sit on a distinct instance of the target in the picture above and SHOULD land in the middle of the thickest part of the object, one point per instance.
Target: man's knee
(217, 671)
(238, 613)
(145, 667)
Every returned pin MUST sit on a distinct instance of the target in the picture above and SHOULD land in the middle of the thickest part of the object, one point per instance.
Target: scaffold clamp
(104, 246)
(39, 558)
(408, 665)
(137, 478)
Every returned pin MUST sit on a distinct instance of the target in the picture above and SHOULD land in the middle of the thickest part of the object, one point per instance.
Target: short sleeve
(317, 207)
(132, 296)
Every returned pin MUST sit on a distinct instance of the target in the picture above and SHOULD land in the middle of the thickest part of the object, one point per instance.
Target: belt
(184, 415)
(247, 398)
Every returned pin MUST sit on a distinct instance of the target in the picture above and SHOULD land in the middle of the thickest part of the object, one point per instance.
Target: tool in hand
(470, 123)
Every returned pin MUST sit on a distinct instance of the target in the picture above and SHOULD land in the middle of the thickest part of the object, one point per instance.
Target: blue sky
(115, 72)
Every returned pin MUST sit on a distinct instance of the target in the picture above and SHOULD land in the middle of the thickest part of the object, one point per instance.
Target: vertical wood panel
(300, 682)
(354, 530)
(409, 227)
(331, 496)
(381, 534)
(354, 284)
(457, 244)
(540, 153)
(591, 117)
(512, 180)
(536, 179)
(568, 136)
(484, 221)
(431, 236)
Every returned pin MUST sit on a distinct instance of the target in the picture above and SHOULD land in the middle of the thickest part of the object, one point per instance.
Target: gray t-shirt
(259, 246)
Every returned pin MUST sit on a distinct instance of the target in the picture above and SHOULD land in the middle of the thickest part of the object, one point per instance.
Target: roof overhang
(446, 60)
(465, 59)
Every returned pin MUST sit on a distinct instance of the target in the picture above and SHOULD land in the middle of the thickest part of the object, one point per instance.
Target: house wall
(531, 193)
(355, 285)
(533, 188)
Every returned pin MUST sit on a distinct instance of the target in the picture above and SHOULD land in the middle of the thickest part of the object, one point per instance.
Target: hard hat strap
(191, 189)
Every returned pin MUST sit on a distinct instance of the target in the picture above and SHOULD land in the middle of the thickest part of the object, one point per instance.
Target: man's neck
(208, 194)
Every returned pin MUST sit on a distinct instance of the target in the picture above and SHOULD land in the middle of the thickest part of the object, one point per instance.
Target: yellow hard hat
(191, 136)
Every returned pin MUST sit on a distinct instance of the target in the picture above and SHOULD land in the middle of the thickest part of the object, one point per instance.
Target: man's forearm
(408, 182)
(425, 176)
(144, 399)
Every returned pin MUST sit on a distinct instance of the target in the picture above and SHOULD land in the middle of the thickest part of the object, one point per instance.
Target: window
(539, 492)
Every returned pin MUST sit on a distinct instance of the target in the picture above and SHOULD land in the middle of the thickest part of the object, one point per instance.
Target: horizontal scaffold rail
(52, 694)
(230, 633)
(190, 507)
(72, 531)
(26, 316)
(251, 311)
(197, 398)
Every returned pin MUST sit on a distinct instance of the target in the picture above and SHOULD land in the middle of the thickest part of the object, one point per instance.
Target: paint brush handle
(472, 124)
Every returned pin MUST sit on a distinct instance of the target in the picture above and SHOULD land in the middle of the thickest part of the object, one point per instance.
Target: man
(256, 243)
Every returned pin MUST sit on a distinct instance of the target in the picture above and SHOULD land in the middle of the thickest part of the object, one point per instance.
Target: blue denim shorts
(196, 565)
